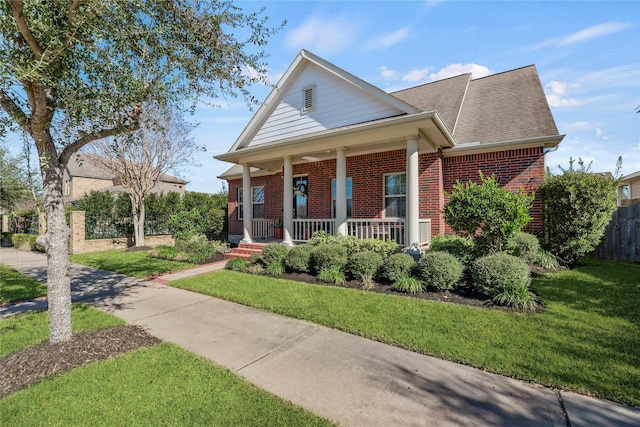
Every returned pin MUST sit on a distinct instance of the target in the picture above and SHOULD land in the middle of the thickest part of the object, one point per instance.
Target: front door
(300, 197)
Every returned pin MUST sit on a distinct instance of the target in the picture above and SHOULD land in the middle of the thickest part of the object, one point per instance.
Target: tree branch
(14, 111)
(87, 138)
(18, 16)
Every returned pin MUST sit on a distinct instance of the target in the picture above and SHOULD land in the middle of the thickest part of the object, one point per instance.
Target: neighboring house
(81, 176)
(329, 151)
(629, 190)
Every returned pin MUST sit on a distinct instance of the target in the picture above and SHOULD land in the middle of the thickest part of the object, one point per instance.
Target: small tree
(578, 206)
(489, 214)
(138, 160)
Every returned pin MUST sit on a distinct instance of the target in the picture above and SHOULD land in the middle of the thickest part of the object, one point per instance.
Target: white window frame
(333, 198)
(314, 89)
(253, 203)
(385, 196)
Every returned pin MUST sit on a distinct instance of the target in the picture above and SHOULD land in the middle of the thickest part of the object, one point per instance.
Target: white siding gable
(338, 103)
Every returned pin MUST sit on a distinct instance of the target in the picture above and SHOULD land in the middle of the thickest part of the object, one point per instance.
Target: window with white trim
(349, 197)
(395, 195)
(308, 98)
(257, 202)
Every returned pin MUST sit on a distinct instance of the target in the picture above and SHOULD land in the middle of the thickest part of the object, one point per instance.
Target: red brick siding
(514, 169)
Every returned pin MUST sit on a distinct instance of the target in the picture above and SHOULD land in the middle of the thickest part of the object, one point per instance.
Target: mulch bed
(33, 364)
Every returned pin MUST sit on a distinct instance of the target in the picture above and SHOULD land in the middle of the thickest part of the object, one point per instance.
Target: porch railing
(374, 228)
(263, 228)
(303, 229)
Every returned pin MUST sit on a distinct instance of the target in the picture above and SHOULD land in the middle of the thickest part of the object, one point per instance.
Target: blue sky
(587, 54)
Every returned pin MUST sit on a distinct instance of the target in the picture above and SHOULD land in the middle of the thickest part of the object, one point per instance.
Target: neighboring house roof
(81, 166)
(458, 115)
(161, 187)
(633, 176)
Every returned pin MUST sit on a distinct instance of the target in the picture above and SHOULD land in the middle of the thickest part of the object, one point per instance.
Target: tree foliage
(489, 214)
(78, 71)
(14, 183)
(578, 206)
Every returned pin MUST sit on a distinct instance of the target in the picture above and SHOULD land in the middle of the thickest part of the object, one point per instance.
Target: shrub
(440, 270)
(299, 258)
(197, 249)
(384, 248)
(256, 259)
(489, 214)
(275, 268)
(517, 296)
(236, 264)
(459, 246)
(364, 265)
(185, 225)
(274, 253)
(26, 242)
(546, 259)
(395, 266)
(578, 206)
(332, 275)
(406, 283)
(330, 256)
(493, 274)
(164, 252)
(525, 246)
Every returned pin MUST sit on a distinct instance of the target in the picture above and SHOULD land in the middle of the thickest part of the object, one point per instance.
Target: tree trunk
(56, 244)
(138, 221)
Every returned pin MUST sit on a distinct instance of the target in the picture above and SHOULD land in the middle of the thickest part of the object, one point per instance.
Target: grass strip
(18, 332)
(585, 340)
(161, 385)
(16, 287)
(136, 264)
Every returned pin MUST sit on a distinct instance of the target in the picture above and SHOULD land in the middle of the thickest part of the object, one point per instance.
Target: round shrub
(364, 265)
(396, 266)
(274, 253)
(525, 246)
(439, 270)
(299, 258)
(330, 256)
(493, 274)
(459, 246)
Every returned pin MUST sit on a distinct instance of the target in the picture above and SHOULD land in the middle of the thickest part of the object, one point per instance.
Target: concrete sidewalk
(348, 379)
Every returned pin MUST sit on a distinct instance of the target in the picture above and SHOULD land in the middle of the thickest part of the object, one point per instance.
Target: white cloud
(387, 73)
(452, 70)
(557, 94)
(593, 32)
(323, 35)
(580, 126)
(387, 40)
(415, 75)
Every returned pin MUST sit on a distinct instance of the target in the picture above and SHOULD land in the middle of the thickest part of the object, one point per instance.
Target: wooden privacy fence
(621, 240)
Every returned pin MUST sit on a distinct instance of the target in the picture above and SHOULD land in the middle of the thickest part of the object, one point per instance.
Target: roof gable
(341, 100)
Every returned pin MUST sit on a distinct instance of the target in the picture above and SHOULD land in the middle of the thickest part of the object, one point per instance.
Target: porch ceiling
(365, 138)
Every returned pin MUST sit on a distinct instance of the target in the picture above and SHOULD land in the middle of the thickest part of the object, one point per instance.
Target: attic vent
(308, 98)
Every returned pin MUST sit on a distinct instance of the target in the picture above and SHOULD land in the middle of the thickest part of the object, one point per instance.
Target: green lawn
(136, 264)
(586, 340)
(160, 385)
(16, 287)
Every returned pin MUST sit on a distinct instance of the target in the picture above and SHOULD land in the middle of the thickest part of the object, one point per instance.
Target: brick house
(81, 176)
(329, 151)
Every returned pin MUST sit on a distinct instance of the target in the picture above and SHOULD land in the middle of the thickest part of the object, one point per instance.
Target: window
(308, 98)
(395, 195)
(257, 194)
(333, 197)
(67, 188)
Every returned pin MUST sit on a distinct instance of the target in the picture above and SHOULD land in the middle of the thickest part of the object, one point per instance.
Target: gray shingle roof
(81, 166)
(506, 106)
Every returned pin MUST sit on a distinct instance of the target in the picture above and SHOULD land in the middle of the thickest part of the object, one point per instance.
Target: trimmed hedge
(299, 259)
(439, 270)
(26, 242)
(493, 274)
(396, 266)
(364, 265)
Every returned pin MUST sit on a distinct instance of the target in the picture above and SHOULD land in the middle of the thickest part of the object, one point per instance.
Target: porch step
(245, 250)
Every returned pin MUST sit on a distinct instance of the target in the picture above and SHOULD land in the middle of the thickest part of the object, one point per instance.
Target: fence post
(77, 227)
(5, 223)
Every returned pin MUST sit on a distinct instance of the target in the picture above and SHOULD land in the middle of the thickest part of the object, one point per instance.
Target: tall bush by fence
(621, 240)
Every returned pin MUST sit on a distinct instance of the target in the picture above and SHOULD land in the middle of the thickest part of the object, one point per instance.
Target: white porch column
(247, 205)
(341, 191)
(287, 202)
(413, 192)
